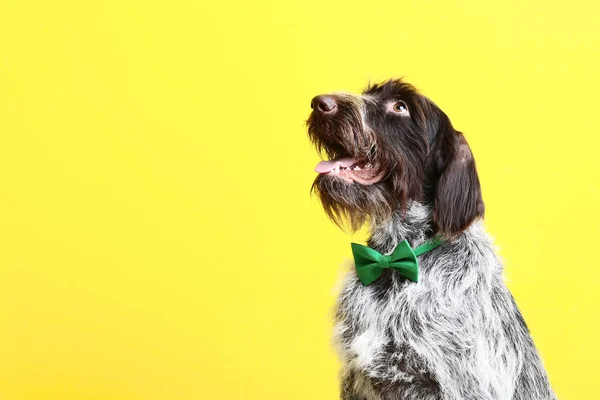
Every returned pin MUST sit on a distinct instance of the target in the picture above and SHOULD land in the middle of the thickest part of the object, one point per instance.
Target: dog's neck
(412, 225)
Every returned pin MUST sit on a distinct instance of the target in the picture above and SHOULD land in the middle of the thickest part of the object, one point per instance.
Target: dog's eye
(400, 107)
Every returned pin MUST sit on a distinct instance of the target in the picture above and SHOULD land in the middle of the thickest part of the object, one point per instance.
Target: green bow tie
(370, 263)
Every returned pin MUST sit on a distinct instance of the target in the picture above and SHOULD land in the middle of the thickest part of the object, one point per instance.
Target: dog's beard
(355, 185)
(353, 205)
(350, 200)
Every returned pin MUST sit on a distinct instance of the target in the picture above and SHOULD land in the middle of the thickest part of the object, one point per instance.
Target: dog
(396, 163)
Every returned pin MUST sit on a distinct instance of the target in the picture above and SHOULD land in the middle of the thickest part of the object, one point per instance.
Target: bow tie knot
(370, 263)
(384, 262)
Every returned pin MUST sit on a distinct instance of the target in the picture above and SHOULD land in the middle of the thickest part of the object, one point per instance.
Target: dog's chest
(394, 316)
(396, 330)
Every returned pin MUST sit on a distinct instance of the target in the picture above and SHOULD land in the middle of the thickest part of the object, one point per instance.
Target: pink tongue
(326, 166)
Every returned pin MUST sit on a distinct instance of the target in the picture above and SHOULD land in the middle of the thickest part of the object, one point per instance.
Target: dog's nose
(323, 103)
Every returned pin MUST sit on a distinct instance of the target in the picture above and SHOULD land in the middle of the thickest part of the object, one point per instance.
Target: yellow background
(157, 237)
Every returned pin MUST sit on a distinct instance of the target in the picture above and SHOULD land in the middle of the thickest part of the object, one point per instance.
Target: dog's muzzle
(331, 110)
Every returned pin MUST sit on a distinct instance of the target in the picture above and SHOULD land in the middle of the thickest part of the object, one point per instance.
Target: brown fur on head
(393, 146)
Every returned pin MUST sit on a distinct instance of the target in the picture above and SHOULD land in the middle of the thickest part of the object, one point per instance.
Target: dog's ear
(457, 200)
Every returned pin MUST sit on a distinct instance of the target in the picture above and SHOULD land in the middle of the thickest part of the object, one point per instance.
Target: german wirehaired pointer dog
(425, 314)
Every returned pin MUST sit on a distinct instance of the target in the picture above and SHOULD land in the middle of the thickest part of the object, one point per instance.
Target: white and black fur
(457, 333)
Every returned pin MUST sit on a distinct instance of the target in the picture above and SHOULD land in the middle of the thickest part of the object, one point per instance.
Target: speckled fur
(457, 334)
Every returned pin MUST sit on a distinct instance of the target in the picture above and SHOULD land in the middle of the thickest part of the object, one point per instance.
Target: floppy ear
(457, 201)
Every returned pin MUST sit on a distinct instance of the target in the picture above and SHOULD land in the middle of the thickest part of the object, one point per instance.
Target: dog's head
(388, 147)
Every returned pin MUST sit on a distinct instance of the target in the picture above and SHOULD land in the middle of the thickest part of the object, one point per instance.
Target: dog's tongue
(326, 166)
